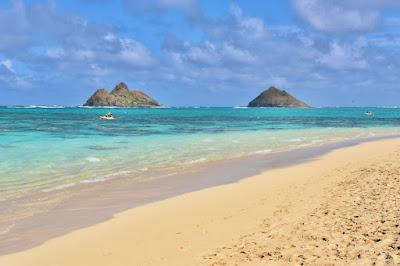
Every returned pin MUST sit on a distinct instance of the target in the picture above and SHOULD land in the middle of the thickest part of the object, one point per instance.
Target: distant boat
(369, 113)
(108, 116)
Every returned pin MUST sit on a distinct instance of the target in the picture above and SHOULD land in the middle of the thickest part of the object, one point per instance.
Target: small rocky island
(274, 97)
(121, 96)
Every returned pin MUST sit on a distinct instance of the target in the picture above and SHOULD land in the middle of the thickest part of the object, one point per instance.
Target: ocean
(65, 168)
(43, 149)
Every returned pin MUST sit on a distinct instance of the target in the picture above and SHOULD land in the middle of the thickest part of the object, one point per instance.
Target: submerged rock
(121, 96)
(274, 97)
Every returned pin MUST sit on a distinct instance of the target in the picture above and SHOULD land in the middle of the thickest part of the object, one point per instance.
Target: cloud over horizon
(184, 55)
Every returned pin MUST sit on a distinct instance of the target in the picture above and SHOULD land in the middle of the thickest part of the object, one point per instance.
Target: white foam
(295, 140)
(50, 106)
(263, 151)
(94, 180)
(196, 161)
(317, 140)
(92, 159)
(118, 173)
(107, 107)
(104, 178)
(40, 106)
(304, 145)
(60, 187)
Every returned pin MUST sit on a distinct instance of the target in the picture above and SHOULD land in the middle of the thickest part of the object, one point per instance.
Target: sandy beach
(340, 208)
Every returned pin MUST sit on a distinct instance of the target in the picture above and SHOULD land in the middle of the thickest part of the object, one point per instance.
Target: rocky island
(274, 97)
(121, 96)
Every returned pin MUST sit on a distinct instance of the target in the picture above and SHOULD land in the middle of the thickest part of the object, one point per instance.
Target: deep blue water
(72, 122)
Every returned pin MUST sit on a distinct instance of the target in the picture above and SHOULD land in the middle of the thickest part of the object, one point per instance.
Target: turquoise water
(49, 149)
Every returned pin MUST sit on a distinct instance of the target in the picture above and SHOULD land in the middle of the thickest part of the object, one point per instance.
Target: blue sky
(201, 53)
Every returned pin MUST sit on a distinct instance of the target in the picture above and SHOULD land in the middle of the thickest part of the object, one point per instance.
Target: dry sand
(339, 209)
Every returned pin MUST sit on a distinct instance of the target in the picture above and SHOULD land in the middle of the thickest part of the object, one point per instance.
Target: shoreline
(84, 210)
(155, 209)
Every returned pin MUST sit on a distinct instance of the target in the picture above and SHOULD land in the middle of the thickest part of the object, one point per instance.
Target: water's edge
(100, 204)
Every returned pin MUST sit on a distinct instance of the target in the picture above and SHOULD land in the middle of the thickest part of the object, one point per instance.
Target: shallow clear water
(47, 149)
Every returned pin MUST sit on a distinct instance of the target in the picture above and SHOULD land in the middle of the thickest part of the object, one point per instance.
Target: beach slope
(340, 208)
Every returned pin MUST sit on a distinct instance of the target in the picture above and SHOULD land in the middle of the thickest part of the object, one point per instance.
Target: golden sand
(340, 208)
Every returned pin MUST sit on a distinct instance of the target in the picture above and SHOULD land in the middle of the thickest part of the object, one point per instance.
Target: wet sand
(30, 221)
(340, 208)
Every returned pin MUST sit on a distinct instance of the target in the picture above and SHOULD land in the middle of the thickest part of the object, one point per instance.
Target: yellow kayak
(104, 117)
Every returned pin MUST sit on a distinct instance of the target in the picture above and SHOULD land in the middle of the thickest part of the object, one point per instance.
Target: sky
(201, 53)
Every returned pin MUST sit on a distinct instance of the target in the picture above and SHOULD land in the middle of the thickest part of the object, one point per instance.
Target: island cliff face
(274, 97)
(121, 96)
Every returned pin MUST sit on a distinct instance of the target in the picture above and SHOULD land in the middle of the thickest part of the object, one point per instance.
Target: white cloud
(96, 73)
(9, 77)
(110, 37)
(318, 76)
(84, 54)
(134, 53)
(279, 81)
(237, 54)
(385, 41)
(337, 16)
(8, 65)
(248, 27)
(203, 54)
(344, 57)
(210, 54)
(55, 52)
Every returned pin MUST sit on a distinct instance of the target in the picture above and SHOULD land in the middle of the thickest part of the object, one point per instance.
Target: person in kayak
(108, 116)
